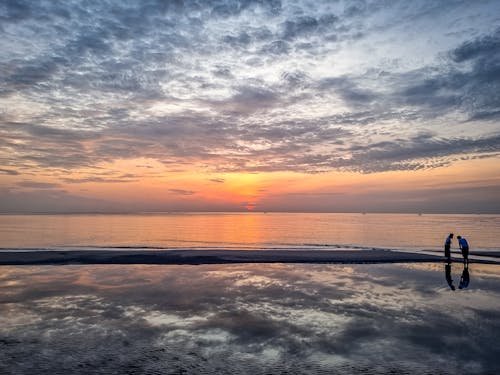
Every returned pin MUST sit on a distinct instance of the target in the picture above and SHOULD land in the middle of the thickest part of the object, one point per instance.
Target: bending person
(464, 247)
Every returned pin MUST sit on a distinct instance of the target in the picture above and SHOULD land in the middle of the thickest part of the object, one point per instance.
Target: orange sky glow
(158, 189)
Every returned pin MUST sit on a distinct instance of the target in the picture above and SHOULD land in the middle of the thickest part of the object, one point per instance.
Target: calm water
(249, 319)
(242, 230)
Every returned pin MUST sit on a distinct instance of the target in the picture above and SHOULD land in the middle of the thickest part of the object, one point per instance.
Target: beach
(248, 319)
(209, 256)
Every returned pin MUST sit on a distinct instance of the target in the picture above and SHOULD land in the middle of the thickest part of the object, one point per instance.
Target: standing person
(447, 246)
(464, 246)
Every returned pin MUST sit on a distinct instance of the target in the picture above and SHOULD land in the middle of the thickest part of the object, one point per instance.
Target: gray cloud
(37, 185)
(478, 48)
(277, 47)
(416, 152)
(14, 11)
(248, 100)
(99, 180)
(306, 26)
(349, 91)
(25, 76)
(45, 146)
(10, 172)
(49, 200)
(181, 192)
(422, 198)
(468, 82)
(218, 180)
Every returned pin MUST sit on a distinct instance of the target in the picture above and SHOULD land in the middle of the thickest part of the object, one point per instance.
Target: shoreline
(198, 257)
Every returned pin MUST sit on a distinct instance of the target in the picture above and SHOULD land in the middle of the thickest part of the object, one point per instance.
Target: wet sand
(249, 319)
(193, 257)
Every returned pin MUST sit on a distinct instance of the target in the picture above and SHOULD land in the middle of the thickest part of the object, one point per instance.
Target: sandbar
(194, 257)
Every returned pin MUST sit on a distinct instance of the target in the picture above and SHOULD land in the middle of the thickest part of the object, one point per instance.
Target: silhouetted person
(464, 280)
(447, 246)
(464, 247)
(447, 272)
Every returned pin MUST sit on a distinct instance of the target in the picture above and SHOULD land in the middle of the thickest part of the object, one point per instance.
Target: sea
(249, 230)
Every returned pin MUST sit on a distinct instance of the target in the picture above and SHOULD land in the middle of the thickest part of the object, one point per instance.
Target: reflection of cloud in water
(247, 319)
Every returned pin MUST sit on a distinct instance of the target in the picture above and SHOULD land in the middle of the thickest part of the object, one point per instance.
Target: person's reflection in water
(447, 272)
(464, 280)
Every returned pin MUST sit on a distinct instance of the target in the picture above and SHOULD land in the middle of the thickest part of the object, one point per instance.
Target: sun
(246, 188)
(250, 206)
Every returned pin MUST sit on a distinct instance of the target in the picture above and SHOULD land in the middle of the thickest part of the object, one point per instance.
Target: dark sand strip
(210, 257)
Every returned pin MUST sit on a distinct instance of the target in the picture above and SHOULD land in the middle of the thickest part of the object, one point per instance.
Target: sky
(307, 106)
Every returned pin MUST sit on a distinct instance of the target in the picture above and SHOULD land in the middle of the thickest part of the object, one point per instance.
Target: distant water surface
(246, 230)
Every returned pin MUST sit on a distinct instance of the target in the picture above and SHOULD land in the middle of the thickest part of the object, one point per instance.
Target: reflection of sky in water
(248, 319)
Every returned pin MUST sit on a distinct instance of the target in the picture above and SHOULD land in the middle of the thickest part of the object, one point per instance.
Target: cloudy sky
(389, 106)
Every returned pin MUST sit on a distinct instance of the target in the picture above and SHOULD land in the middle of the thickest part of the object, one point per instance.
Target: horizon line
(240, 212)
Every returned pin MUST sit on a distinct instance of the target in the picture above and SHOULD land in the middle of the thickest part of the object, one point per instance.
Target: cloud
(14, 11)
(10, 172)
(181, 192)
(38, 185)
(456, 198)
(25, 76)
(478, 48)
(416, 153)
(348, 90)
(305, 26)
(467, 82)
(277, 47)
(107, 180)
(482, 82)
(247, 100)
(46, 146)
(314, 194)
(49, 200)
(235, 86)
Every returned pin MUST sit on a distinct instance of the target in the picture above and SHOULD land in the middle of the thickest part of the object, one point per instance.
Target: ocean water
(249, 319)
(247, 230)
